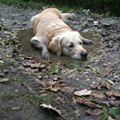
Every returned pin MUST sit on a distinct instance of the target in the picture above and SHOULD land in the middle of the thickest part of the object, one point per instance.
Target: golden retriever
(52, 33)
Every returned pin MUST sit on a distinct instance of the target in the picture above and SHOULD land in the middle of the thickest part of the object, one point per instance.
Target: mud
(22, 94)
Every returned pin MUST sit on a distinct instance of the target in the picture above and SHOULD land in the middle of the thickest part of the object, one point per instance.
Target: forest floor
(60, 88)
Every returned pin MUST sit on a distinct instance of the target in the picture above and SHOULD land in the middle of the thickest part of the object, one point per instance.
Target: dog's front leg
(45, 53)
(37, 42)
(86, 41)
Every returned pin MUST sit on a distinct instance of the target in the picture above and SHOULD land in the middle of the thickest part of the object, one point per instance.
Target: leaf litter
(56, 86)
(109, 98)
(83, 92)
(53, 109)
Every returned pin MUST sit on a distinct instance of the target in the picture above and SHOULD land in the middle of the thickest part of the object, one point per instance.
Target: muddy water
(24, 37)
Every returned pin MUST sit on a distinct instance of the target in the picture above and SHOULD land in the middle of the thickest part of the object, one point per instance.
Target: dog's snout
(84, 54)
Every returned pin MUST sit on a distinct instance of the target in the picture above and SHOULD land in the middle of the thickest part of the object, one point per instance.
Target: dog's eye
(71, 45)
(80, 43)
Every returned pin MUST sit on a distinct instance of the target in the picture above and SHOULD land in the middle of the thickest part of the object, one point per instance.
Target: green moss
(37, 99)
(112, 112)
(54, 69)
(11, 95)
(17, 81)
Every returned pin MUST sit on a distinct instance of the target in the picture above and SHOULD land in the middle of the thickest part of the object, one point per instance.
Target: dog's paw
(73, 15)
(88, 42)
(45, 55)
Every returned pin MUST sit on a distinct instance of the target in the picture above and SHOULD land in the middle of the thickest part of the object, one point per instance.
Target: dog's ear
(86, 41)
(55, 45)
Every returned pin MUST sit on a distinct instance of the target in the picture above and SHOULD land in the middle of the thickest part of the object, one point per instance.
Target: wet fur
(52, 33)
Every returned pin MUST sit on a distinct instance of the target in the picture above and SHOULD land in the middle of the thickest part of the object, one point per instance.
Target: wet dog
(52, 33)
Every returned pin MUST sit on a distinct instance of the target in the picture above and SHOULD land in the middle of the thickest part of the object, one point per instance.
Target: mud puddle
(24, 37)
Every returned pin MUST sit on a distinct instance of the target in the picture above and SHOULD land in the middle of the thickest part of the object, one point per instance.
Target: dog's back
(49, 23)
(45, 17)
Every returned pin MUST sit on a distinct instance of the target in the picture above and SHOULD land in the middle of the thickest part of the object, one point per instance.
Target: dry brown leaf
(95, 112)
(56, 86)
(98, 95)
(36, 65)
(83, 92)
(67, 89)
(50, 107)
(53, 88)
(86, 102)
(113, 93)
(101, 85)
(113, 102)
(41, 83)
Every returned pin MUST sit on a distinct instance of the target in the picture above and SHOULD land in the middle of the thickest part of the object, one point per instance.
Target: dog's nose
(84, 55)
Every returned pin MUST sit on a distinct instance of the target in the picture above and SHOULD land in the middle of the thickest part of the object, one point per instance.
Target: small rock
(96, 23)
(4, 80)
(6, 72)
(90, 19)
(108, 23)
(2, 75)
(15, 108)
(86, 12)
(40, 77)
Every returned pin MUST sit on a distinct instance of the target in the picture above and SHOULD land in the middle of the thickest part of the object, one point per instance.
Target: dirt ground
(29, 84)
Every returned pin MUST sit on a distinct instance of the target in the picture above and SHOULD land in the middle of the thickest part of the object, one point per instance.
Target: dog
(51, 33)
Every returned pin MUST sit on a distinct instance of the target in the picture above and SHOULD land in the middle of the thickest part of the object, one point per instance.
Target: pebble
(15, 108)
(2, 75)
(95, 23)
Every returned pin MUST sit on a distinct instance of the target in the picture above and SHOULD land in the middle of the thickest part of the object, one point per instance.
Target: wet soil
(26, 79)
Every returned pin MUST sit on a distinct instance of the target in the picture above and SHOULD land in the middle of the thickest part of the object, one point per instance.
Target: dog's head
(71, 44)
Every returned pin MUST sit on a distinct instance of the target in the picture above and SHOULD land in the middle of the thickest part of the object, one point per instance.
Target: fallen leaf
(41, 83)
(51, 108)
(98, 95)
(115, 103)
(113, 93)
(110, 82)
(67, 89)
(83, 92)
(35, 65)
(55, 86)
(106, 102)
(95, 112)
(86, 102)
(101, 85)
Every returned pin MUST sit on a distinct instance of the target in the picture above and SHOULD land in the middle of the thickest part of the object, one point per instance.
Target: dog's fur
(51, 33)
